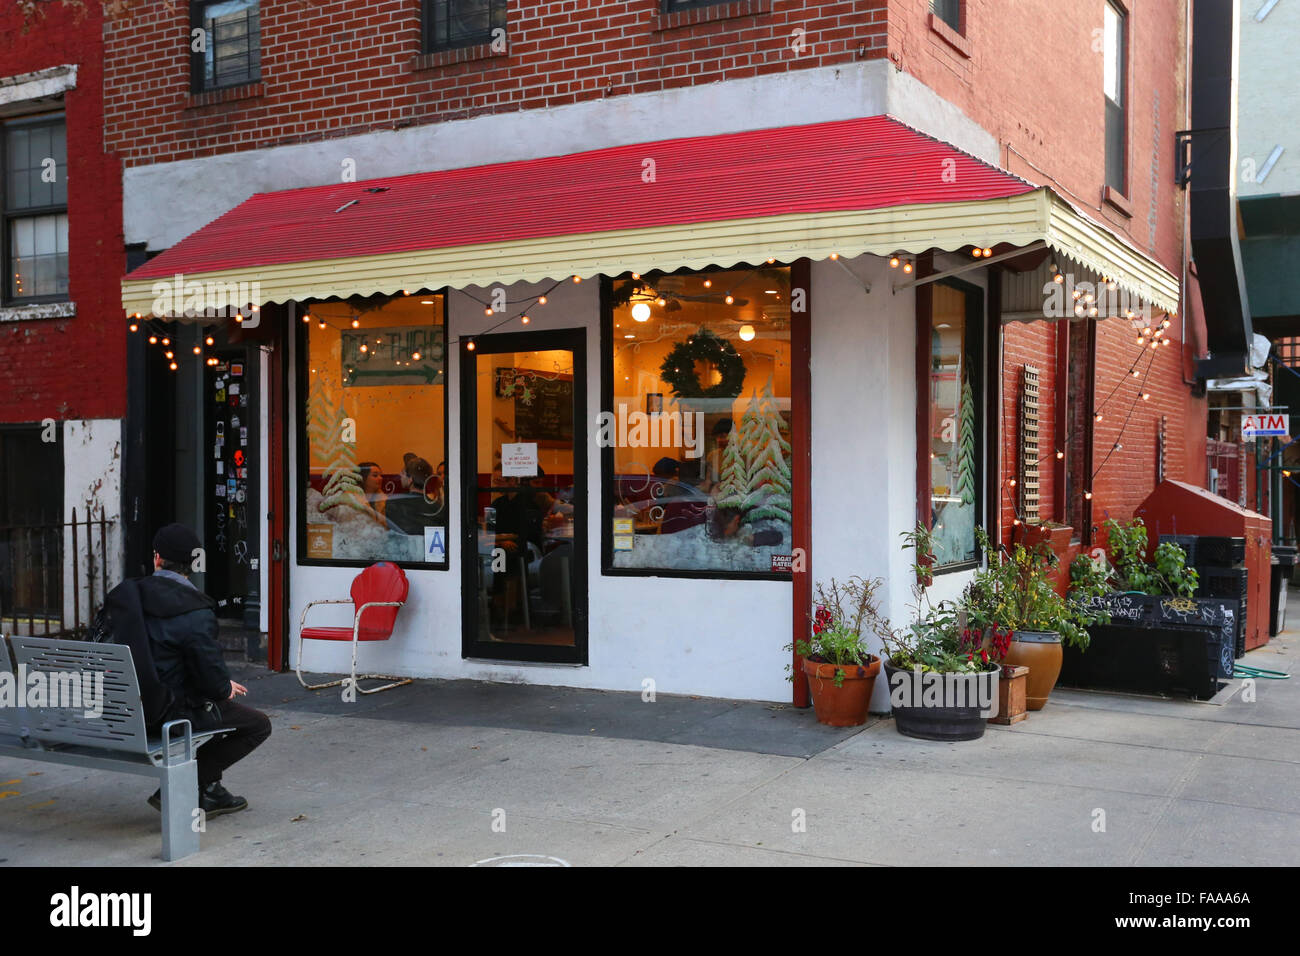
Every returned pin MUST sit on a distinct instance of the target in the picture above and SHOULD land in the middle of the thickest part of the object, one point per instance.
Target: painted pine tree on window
(325, 431)
(965, 487)
(756, 465)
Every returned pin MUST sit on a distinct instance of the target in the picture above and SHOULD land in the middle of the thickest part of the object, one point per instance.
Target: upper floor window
(672, 6)
(1115, 39)
(949, 11)
(449, 24)
(34, 197)
(229, 48)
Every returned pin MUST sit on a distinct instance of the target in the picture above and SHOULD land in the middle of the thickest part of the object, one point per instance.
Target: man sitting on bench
(181, 624)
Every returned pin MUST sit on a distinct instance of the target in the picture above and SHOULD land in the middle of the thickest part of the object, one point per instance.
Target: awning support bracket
(866, 286)
(973, 264)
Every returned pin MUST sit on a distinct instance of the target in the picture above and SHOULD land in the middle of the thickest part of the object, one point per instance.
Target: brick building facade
(338, 95)
(62, 337)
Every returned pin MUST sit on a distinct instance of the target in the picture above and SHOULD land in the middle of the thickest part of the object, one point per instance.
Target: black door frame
(574, 341)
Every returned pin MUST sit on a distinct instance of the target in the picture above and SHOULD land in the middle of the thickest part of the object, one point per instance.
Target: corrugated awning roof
(847, 187)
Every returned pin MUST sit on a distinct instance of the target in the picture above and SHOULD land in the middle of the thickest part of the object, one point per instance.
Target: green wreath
(678, 369)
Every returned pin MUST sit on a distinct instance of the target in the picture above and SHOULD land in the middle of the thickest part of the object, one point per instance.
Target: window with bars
(1288, 350)
(949, 11)
(34, 196)
(229, 44)
(450, 24)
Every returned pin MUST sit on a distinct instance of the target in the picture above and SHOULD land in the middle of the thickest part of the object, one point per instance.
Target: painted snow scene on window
(734, 517)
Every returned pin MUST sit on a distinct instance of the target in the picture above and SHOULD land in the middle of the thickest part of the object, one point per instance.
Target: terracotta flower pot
(846, 705)
(1040, 651)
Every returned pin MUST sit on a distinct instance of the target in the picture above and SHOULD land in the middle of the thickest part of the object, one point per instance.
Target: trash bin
(1284, 560)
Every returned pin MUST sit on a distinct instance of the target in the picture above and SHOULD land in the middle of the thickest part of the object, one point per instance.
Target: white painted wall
(92, 479)
(1268, 109)
(165, 202)
(699, 636)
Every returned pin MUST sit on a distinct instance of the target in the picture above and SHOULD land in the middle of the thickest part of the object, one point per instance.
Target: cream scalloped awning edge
(1018, 220)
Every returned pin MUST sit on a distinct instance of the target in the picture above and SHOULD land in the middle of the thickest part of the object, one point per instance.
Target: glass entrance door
(524, 497)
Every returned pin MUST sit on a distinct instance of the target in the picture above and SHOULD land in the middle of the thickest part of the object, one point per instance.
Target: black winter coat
(182, 626)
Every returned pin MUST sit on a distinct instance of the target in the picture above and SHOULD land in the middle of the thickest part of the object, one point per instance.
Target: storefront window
(956, 420)
(698, 476)
(375, 432)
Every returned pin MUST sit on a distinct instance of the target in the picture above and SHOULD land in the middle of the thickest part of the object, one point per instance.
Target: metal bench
(115, 739)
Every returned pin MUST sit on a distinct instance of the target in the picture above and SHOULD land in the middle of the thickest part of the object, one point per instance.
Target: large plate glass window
(35, 200)
(374, 481)
(698, 461)
(956, 422)
(231, 44)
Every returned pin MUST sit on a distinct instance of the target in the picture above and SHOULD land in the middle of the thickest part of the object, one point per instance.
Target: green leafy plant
(938, 638)
(846, 612)
(1089, 579)
(1015, 590)
(1169, 575)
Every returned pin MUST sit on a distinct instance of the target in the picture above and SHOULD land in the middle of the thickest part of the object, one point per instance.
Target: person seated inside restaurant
(372, 486)
(713, 461)
(423, 506)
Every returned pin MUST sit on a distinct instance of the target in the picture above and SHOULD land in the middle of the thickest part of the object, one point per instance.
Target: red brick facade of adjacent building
(71, 368)
(1034, 79)
(329, 70)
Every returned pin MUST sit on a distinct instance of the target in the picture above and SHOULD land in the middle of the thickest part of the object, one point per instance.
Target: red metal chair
(377, 594)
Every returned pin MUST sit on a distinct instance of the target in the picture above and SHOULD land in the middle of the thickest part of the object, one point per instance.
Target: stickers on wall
(234, 388)
(221, 467)
(243, 436)
(236, 368)
(221, 491)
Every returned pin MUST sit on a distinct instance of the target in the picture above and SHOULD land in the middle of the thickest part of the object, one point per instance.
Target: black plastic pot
(916, 719)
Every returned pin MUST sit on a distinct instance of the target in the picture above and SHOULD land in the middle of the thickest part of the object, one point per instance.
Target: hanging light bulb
(488, 310)
(636, 275)
(746, 333)
(770, 260)
(640, 312)
(1099, 416)
(1011, 482)
(524, 319)
(907, 267)
(322, 323)
(541, 300)
(133, 327)
(153, 340)
(577, 279)
(198, 350)
(306, 317)
(1078, 310)
(172, 366)
(1135, 372)
(893, 262)
(208, 340)
(469, 346)
(1141, 340)
(977, 252)
(1060, 455)
(1145, 396)
(661, 301)
(415, 356)
(1015, 521)
(169, 355)
(365, 347)
(730, 299)
(708, 283)
(1087, 495)
(834, 256)
(1076, 295)
(1147, 330)
(356, 323)
(987, 252)
(166, 341)
(1058, 279)
(1093, 310)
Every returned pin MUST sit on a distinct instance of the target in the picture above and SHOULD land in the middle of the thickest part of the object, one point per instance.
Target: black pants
(251, 727)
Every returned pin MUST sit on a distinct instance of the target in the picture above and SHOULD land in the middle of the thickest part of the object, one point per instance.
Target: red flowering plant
(845, 612)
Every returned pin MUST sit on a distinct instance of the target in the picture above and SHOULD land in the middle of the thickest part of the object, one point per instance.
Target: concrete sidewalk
(455, 772)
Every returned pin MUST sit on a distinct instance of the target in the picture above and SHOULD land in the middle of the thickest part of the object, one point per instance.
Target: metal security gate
(39, 561)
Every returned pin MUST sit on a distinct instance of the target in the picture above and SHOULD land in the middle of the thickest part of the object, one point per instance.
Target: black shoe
(156, 800)
(215, 800)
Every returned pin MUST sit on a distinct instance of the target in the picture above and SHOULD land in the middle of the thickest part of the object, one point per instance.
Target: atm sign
(1265, 426)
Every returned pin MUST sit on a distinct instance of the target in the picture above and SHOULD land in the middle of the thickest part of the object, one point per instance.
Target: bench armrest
(187, 750)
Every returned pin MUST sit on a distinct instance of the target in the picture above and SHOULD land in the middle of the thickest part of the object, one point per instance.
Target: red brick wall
(1034, 80)
(332, 67)
(71, 368)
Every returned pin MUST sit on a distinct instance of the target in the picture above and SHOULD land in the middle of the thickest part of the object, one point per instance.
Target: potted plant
(1016, 591)
(943, 684)
(841, 672)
